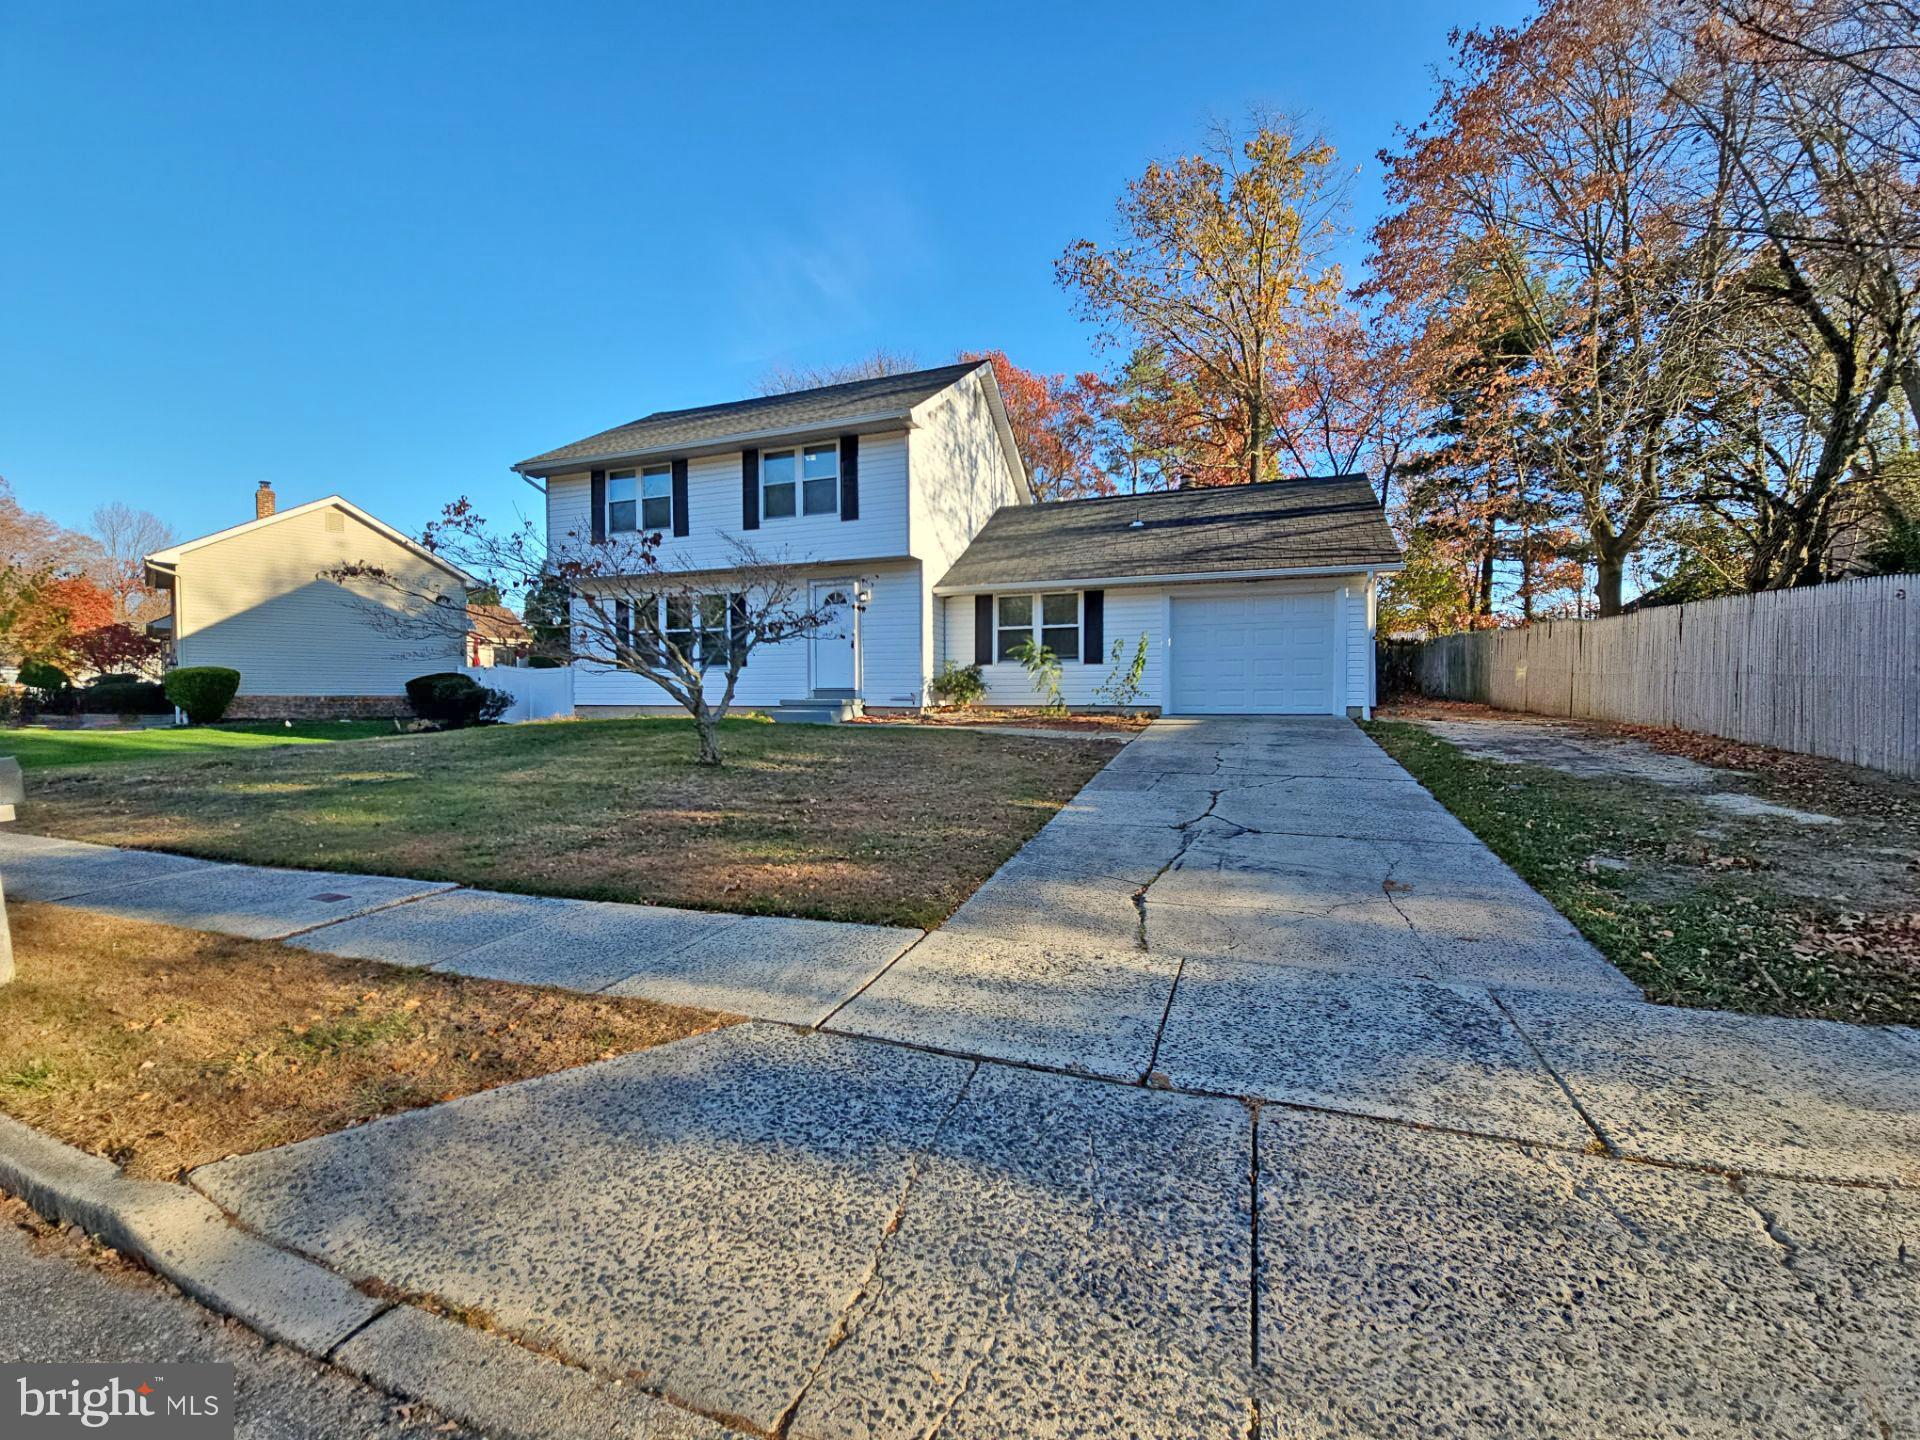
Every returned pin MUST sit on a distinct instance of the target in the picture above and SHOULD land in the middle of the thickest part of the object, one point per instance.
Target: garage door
(1253, 654)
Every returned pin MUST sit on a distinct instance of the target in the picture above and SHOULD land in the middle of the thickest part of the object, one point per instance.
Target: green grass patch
(38, 749)
(1693, 917)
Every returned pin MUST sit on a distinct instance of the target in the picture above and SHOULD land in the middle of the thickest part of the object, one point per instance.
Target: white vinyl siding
(960, 476)
(256, 603)
(1134, 610)
(714, 513)
(889, 645)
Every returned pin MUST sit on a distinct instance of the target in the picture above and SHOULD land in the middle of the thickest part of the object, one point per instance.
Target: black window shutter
(736, 621)
(680, 496)
(598, 499)
(749, 489)
(983, 629)
(849, 477)
(623, 624)
(1093, 632)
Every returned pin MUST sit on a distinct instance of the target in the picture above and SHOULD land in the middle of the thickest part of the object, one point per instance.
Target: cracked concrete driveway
(1261, 908)
(1280, 841)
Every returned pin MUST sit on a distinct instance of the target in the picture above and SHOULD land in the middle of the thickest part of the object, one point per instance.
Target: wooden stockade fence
(1833, 670)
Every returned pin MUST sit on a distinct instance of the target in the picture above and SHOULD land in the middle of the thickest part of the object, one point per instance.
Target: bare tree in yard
(1813, 112)
(126, 537)
(689, 634)
(784, 379)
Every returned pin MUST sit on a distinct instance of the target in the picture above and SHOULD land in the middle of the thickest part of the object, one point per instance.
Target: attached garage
(1216, 600)
(1248, 653)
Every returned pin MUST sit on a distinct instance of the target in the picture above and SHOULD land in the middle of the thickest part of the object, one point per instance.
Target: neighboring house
(254, 598)
(905, 499)
(497, 637)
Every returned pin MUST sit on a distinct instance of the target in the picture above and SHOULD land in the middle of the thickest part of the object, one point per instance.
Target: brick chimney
(263, 500)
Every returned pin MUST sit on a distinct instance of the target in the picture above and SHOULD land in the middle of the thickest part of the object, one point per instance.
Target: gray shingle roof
(885, 397)
(1326, 523)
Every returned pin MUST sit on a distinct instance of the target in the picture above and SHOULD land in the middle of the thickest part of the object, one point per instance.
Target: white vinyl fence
(1833, 670)
(537, 694)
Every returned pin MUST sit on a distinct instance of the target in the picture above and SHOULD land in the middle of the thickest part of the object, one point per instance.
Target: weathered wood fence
(1833, 670)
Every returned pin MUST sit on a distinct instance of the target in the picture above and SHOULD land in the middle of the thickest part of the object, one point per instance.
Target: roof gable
(884, 398)
(1324, 523)
(170, 556)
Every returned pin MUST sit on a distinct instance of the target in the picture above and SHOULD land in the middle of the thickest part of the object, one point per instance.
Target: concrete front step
(816, 710)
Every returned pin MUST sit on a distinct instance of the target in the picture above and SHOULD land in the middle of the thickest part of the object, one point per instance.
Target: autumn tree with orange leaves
(1058, 421)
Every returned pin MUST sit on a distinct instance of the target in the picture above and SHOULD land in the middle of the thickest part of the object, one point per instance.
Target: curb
(485, 1381)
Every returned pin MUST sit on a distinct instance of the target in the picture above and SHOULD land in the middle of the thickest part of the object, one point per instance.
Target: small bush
(1043, 669)
(961, 685)
(455, 701)
(203, 691)
(1126, 681)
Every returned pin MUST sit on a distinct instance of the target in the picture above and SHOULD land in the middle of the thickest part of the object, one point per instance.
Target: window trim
(697, 630)
(798, 450)
(639, 475)
(1037, 626)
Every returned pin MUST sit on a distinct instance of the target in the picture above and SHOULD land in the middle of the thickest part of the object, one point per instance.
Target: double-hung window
(715, 631)
(802, 481)
(1055, 615)
(640, 499)
(678, 626)
(700, 627)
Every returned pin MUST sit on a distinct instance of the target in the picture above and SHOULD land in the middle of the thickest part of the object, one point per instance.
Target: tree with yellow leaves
(1221, 264)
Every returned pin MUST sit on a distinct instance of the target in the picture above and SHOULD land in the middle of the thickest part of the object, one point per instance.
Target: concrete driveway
(1281, 841)
(1262, 908)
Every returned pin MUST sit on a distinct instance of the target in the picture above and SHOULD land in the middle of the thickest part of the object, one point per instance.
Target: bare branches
(689, 633)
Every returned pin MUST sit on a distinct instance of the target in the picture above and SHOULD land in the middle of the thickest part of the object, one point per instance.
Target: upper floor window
(1058, 614)
(805, 481)
(640, 499)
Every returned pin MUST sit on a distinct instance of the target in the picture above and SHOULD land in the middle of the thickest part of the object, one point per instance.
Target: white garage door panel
(1254, 654)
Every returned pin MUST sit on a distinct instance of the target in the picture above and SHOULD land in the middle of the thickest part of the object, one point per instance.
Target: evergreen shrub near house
(456, 701)
(45, 677)
(960, 685)
(203, 691)
(123, 695)
(45, 690)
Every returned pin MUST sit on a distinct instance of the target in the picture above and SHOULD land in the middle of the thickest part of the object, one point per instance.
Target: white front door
(833, 643)
(1253, 653)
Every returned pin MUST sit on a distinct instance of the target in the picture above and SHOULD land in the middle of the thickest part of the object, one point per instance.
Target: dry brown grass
(163, 1049)
(887, 825)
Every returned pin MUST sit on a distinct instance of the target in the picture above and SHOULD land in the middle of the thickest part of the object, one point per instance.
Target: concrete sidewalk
(818, 1236)
(764, 967)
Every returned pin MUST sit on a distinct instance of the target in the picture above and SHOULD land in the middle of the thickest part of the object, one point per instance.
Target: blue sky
(388, 249)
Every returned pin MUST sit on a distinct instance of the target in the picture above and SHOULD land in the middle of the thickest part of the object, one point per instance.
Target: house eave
(876, 424)
(1191, 577)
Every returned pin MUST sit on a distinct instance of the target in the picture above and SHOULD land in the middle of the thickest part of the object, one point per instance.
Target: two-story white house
(906, 501)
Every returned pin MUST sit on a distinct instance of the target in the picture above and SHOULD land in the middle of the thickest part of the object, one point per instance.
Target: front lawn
(885, 825)
(163, 1049)
(38, 749)
(1699, 905)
